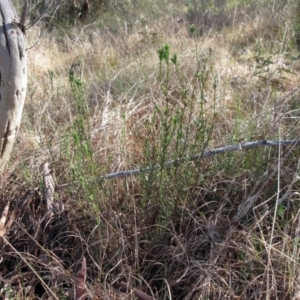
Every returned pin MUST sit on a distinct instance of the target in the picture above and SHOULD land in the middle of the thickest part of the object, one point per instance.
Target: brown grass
(226, 227)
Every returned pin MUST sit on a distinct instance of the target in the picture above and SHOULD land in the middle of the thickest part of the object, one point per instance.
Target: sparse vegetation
(137, 84)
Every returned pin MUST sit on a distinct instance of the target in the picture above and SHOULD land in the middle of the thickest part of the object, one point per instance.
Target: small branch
(41, 15)
(48, 189)
(126, 289)
(25, 12)
(3, 220)
(80, 290)
(209, 153)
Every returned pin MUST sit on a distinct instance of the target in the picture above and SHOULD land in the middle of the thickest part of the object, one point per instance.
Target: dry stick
(49, 188)
(229, 148)
(126, 289)
(80, 290)
(25, 12)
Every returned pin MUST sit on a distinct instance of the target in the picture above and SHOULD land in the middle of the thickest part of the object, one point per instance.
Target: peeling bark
(13, 77)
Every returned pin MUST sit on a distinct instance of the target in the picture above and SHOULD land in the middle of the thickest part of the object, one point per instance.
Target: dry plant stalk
(49, 189)
(13, 78)
(126, 289)
(3, 220)
(80, 291)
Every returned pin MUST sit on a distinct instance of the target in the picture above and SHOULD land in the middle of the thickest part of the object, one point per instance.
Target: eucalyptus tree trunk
(13, 76)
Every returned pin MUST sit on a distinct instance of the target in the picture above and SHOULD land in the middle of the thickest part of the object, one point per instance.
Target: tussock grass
(105, 97)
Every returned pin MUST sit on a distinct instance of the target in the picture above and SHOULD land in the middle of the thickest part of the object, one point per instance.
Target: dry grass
(226, 227)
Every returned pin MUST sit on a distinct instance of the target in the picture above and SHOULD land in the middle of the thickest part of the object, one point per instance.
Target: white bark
(13, 78)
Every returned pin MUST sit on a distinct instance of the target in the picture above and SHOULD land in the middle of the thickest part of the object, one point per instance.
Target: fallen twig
(124, 287)
(205, 154)
(48, 189)
(80, 292)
